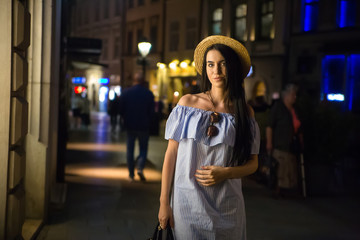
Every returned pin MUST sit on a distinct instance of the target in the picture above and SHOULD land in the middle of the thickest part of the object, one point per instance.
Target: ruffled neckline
(203, 110)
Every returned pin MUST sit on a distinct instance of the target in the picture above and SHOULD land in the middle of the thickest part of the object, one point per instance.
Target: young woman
(213, 143)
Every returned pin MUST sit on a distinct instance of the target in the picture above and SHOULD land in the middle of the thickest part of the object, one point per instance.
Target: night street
(102, 204)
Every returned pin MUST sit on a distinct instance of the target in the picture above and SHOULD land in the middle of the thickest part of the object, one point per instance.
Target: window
(79, 16)
(104, 53)
(117, 7)
(154, 23)
(240, 22)
(97, 10)
(116, 48)
(139, 35)
(174, 36)
(106, 8)
(346, 13)
(266, 19)
(129, 42)
(216, 21)
(310, 15)
(341, 80)
(190, 33)
(130, 3)
(86, 14)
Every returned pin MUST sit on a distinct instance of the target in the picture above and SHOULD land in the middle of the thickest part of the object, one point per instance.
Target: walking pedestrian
(213, 143)
(283, 140)
(136, 107)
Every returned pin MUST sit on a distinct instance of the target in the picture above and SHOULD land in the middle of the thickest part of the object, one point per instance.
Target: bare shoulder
(251, 111)
(191, 100)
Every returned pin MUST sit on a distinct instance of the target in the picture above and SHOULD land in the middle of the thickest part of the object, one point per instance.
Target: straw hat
(230, 42)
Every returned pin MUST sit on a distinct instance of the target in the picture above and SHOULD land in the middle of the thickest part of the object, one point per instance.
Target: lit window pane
(217, 28)
(266, 22)
(241, 10)
(217, 15)
(240, 29)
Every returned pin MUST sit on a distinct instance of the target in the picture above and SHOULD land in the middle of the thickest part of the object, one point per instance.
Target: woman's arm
(210, 175)
(165, 211)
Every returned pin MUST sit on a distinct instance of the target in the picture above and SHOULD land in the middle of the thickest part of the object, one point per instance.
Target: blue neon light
(310, 14)
(353, 75)
(335, 97)
(346, 13)
(341, 80)
(103, 81)
(78, 80)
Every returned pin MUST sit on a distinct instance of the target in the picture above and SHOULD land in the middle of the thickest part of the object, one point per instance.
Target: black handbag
(158, 233)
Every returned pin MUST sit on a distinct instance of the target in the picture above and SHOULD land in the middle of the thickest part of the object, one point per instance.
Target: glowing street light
(144, 49)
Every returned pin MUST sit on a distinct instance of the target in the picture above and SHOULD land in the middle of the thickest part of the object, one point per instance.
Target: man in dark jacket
(137, 109)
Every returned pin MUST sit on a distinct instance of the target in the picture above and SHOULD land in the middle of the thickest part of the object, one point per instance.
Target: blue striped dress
(205, 213)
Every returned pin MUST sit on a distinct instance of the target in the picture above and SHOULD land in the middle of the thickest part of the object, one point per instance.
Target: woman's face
(216, 68)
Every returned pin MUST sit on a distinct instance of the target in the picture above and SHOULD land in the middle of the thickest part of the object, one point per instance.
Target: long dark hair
(234, 94)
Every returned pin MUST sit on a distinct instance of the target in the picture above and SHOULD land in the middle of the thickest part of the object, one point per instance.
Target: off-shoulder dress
(215, 212)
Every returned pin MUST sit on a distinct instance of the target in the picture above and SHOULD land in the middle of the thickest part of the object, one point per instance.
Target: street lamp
(144, 49)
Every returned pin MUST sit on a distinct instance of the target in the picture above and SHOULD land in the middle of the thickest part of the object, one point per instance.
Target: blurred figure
(137, 109)
(282, 141)
(85, 112)
(261, 109)
(157, 118)
(76, 103)
(113, 111)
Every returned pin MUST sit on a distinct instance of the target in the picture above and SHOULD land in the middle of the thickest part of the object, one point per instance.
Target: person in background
(283, 139)
(113, 109)
(85, 112)
(136, 107)
(213, 143)
(261, 109)
(76, 103)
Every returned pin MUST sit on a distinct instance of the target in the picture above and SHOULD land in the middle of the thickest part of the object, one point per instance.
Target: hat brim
(230, 42)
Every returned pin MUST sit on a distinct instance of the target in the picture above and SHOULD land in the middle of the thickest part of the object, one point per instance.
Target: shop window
(310, 14)
(217, 21)
(346, 13)
(240, 22)
(266, 19)
(341, 80)
(190, 33)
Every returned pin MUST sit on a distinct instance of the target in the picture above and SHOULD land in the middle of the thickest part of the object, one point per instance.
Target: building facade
(323, 53)
(29, 76)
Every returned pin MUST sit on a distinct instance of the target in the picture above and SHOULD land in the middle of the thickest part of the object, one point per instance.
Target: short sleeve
(191, 123)
(174, 125)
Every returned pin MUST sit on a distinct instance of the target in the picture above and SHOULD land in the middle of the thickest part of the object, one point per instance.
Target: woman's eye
(210, 65)
(223, 64)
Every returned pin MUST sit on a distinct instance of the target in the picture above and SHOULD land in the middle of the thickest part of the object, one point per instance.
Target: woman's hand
(165, 214)
(210, 175)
